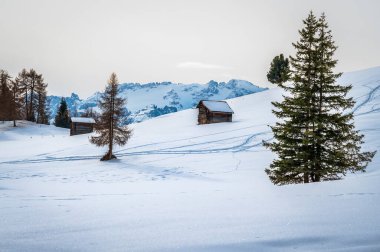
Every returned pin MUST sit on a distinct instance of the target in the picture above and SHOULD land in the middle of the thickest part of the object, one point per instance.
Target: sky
(77, 44)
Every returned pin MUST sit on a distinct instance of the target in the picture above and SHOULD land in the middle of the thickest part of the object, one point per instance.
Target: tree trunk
(14, 112)
(111, 126)
(39, 108)
(306, 178)
(317, 178)
(26, 104)
(31, 112)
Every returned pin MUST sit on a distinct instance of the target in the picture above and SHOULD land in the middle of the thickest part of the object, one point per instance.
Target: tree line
(23, 97)
(315, 138)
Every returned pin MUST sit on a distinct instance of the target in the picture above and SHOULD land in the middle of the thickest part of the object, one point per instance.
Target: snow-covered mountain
(158, 98)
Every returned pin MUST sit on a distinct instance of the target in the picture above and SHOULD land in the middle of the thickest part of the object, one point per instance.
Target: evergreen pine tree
(279, 71)
(314, 140)
(291, 133)
(108, 127)
(62, 118)
(336, 144)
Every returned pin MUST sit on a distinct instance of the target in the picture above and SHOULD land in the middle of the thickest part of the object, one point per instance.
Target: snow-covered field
(179, 186)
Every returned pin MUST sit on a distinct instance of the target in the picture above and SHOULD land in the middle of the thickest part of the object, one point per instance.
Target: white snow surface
(179, 186)
(82, 119)
(218, 106)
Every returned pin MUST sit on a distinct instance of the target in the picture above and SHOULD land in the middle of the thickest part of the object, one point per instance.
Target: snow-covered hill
(179, 186)
(154, 99)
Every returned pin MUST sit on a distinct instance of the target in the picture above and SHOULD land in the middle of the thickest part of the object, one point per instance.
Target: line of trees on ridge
(23, 97)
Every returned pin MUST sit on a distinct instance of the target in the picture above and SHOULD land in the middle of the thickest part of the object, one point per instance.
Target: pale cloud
(200, 65)
(233, 76)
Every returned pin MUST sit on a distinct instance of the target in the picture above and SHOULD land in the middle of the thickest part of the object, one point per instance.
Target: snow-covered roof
(217, 106)
(82, 120)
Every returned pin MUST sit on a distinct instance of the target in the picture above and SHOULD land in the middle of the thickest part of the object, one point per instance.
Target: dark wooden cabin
(214, 112)
(81, 125)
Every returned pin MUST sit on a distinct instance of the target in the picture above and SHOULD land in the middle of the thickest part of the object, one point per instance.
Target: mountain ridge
(152, 99)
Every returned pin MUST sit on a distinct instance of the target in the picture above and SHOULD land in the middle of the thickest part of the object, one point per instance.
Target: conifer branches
(315, 138)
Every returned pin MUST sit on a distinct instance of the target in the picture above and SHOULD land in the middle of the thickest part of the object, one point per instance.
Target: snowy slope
(153, 99)
(179, 186)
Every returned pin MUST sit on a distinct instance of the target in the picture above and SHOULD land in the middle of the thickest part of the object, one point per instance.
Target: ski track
(369, 112)
(368, 99)
(190, 138)
(245, 145)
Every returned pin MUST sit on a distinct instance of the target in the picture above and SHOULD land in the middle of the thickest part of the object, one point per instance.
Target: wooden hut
(81, 125)
(214, 112)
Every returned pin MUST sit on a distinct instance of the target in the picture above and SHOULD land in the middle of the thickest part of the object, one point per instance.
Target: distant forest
(23, 97)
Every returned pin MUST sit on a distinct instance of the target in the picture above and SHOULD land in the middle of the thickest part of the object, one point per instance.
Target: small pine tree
(62, 118)
(315, 140)
(108, 127)
(279, 71)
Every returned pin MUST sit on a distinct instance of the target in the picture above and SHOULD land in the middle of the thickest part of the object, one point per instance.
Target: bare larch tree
(108, 127)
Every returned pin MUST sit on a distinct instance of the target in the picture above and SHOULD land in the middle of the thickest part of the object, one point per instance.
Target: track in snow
(245, 145)
(369, 98)
(245, 142)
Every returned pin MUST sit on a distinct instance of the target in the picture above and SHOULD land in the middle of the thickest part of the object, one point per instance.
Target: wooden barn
(81, 125)
(214, 112)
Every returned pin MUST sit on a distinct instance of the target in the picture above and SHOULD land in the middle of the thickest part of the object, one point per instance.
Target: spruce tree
(108, 127)
(279, 70)
(336, 143)
(315, 138)
(291, 132)
(62, 118)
